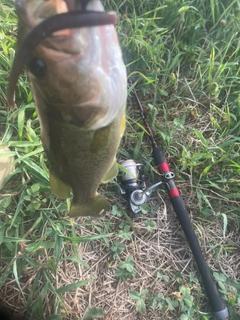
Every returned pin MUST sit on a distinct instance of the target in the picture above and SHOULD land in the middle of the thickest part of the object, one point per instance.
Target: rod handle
(219, 308)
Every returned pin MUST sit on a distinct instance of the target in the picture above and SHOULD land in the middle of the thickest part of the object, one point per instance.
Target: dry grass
(164, 249)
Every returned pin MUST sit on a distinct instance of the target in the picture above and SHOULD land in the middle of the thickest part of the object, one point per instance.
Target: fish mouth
(36, 12)
(74, 5)
(69, 39)
(55, 19)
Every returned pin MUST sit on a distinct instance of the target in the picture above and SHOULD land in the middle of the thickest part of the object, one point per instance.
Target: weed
(125, 233)
(126, 269)
(116, 212)
(117, 248)
(230, 289)
(139, 298)
(162, 276)
(150, 225)
(33, 197)
(92, 313)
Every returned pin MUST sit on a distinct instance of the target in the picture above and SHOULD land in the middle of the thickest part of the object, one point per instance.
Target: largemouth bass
(79, 84)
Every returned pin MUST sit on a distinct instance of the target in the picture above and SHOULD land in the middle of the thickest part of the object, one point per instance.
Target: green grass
(185, 57)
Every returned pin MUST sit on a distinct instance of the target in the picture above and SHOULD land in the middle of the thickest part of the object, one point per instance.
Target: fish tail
(95, 207)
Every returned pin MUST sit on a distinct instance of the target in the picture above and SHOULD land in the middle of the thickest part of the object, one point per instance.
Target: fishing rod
(134, 187)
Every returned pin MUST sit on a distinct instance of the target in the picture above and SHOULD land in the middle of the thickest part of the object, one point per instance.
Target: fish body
(79, 85)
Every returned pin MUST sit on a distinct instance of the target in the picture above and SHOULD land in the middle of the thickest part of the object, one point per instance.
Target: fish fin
(100, 139)
(95, 207)
(112, 172)
(123, 125)
(58, 187)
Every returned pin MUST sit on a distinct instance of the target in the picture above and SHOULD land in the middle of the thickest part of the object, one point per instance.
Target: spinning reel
(132, 184)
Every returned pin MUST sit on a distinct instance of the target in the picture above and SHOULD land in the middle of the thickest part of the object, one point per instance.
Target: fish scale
(93, 152)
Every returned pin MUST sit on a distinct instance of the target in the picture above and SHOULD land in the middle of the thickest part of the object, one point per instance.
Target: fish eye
(37, 67)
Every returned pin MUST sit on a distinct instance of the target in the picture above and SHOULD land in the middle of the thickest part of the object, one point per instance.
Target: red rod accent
(163, 167)
(173, 193)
